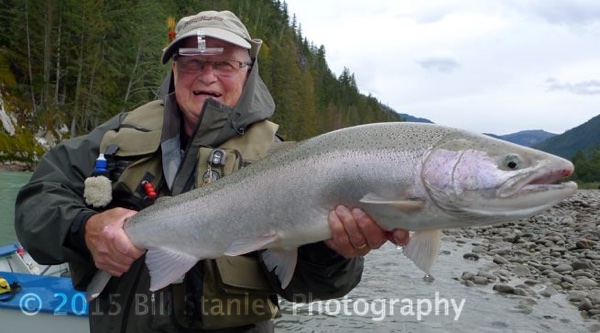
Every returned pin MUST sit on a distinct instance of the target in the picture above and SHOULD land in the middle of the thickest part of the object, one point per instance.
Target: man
(215, 102)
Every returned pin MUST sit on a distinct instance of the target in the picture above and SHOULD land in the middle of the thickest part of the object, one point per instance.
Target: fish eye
(512, 162)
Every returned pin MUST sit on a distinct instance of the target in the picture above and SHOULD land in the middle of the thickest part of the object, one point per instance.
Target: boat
(38, 298)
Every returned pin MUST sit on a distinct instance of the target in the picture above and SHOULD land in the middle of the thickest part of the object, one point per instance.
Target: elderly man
(215, 99)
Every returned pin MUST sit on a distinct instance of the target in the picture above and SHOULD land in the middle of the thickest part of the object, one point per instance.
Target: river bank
(553, 254)
(16, 166)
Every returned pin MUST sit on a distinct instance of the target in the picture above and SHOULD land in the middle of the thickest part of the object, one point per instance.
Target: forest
(587, 169)
(66, 66)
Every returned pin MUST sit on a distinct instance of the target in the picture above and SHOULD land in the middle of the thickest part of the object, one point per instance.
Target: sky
(489, 66)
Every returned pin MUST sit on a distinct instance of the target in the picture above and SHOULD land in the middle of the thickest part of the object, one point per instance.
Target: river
(393, 296)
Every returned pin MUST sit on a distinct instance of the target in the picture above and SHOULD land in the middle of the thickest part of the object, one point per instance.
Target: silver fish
(419, 177)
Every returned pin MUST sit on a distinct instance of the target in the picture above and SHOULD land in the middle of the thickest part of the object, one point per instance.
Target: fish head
(479, 178)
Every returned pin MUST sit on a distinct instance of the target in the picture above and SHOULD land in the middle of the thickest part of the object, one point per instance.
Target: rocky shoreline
(553, 254)
(16, 166)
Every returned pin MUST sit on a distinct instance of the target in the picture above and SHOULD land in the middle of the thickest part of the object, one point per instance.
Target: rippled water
(390, 277)
(393, 297)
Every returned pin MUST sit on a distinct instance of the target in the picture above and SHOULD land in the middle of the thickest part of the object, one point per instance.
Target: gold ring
(360, 247)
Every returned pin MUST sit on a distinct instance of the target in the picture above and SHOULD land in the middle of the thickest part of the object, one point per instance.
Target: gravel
(553, 254)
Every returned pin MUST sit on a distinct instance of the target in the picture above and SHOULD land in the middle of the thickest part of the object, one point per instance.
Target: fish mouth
(526, 195)
(541, 187)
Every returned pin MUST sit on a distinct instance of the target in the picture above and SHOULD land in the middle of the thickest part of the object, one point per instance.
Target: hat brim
(221, 34)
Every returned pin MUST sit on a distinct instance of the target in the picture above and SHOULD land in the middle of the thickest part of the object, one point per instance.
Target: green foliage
(21, 147)
(587, 166)
(79, 62)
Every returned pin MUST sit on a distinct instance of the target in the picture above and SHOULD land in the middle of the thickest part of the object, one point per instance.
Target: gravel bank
(553, 254)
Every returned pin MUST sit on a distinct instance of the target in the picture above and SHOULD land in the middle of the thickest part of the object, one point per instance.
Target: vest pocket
(234, 293)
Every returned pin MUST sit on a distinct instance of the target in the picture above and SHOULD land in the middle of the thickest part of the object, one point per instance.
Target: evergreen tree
(80, 62)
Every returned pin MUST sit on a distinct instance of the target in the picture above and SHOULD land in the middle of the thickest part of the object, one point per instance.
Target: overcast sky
(493, 66)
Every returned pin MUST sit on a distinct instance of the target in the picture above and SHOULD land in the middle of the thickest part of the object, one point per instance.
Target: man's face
(200, 77)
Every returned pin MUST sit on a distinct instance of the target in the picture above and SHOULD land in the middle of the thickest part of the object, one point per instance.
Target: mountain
(584, 137)
(414, 119)
(527, 138)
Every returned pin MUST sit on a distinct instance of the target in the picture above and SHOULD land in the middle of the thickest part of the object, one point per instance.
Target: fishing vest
(229, 291)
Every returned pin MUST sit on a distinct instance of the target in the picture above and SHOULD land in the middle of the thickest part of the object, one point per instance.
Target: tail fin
(99, 281)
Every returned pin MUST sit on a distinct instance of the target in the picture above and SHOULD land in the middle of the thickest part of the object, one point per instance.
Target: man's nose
(207, 70)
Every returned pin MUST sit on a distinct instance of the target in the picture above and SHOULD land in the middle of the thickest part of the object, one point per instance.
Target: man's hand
(110, 247)
(356, 234)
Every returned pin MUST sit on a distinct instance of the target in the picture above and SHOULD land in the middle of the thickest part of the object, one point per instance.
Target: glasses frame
(235, 64)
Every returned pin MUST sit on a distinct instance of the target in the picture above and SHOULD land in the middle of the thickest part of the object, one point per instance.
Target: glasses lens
(224, 67)
(219, 67)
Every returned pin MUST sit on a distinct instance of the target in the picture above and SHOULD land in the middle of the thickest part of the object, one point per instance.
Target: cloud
(441, 62)
(472, 64)
(567, 12)
(590, 87)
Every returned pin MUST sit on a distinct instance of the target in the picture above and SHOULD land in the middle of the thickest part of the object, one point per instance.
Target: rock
(504, 288)
(577, 265)
(585, 244)
(593, 256)
(501, 252)
(522, 292)
(471, 256)
(466, 276)
(582, 274)
(500, 260)
(561, 268)
(480, 280)
(521, 270)
(595, 327)
(594, 296)
(585, 305)
(576, 296)
(588, 283)
(566, 285)
(468, 283)
(531, 282)
(549, 291)
(569, 279)
(479, 249)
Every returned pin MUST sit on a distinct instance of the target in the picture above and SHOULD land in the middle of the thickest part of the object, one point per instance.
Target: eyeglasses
(219, 67)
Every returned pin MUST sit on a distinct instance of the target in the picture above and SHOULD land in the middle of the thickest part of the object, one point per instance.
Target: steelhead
(419, 177)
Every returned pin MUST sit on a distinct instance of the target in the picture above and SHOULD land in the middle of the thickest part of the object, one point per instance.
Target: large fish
(419, 177)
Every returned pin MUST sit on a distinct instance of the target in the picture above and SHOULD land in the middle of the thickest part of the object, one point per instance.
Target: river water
(394, 297)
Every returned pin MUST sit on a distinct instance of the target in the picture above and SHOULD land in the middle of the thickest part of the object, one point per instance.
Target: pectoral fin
(423, 248)
(405, 206)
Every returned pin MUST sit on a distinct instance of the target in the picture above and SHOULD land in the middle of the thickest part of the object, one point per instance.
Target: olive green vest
(235, 290)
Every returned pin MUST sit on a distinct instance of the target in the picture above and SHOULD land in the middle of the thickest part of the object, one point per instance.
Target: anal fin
(283, 262)
(167, 266)
(423, 248)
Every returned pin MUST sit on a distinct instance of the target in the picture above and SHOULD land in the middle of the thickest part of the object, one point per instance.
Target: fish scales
(420, 177)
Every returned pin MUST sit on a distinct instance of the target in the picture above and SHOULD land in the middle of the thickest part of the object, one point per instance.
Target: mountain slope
(585, 137)
(528, 138)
